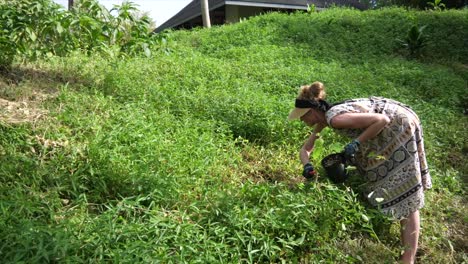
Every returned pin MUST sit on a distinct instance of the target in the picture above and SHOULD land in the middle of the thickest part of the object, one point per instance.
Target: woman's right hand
(351, 149)
(309, 171)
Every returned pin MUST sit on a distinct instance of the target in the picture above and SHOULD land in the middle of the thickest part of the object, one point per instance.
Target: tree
(421, 4)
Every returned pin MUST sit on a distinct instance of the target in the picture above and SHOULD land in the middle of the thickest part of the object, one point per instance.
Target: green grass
(188, 157)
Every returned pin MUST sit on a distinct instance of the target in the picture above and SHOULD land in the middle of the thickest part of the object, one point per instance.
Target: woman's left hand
(351, 149)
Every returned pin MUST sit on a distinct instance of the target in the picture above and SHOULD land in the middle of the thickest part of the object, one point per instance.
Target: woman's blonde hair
(314, 91)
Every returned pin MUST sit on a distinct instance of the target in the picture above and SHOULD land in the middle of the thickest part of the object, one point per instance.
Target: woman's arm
(370, 122)
(308, 145)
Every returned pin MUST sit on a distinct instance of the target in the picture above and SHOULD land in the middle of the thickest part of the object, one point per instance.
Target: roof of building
(193, 9)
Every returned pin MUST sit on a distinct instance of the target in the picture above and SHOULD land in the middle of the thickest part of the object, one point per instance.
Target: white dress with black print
(394, 162)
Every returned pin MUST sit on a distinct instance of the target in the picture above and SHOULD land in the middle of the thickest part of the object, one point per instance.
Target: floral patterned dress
(393, 162)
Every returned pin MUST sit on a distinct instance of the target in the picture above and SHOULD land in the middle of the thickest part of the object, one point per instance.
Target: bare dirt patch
(22, 93)
(23, 111)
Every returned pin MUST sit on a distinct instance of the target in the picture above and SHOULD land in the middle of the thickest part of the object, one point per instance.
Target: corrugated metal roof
(193, 9)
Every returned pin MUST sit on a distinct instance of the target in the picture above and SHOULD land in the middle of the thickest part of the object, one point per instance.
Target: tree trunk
(205, 13)
(70, 5)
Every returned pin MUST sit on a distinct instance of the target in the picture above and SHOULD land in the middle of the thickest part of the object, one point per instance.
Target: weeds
(189, 158)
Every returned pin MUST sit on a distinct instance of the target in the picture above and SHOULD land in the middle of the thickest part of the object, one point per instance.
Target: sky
(159, 10)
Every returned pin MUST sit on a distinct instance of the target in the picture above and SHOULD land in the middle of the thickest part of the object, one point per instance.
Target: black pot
(335, 167)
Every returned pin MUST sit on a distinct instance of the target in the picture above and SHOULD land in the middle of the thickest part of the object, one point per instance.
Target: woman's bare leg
(410, 236)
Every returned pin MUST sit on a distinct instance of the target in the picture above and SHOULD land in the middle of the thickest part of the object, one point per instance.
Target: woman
(387, 148)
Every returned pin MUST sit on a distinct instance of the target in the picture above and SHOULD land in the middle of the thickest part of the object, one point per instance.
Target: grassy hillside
(187, 156)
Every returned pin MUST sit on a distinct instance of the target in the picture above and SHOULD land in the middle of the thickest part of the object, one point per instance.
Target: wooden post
(205, 13)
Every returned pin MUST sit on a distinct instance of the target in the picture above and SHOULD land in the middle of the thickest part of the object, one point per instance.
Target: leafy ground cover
(186, 156)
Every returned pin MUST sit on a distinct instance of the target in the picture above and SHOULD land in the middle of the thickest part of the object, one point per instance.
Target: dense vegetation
(38, 28)
(186, 155)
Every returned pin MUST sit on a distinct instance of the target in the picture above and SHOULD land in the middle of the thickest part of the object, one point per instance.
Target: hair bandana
(321, 105)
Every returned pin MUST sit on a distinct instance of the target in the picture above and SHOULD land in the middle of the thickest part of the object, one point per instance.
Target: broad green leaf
(32, 36)
(59, 28)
